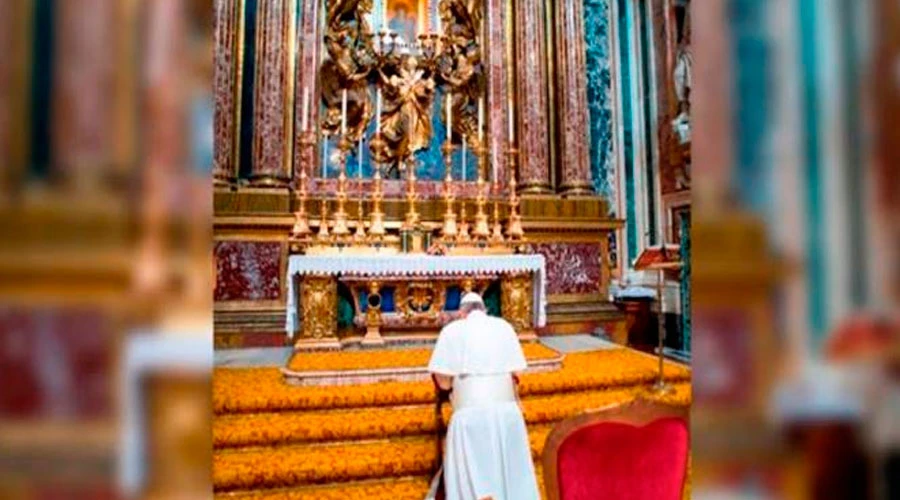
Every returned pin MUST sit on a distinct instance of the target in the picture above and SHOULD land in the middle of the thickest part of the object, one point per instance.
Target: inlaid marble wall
(572, 267)
(600, 98)
(248, 270)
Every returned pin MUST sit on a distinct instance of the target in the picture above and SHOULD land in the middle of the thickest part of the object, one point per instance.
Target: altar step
(272, 440)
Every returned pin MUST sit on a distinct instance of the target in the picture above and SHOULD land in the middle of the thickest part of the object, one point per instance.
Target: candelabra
(482, 230)
(301, 230)
(449, 230)
(514, 229)
(323, 236)
(497, 231)
(376, 216)
(412, 216)
(341, 230)
(359, 237)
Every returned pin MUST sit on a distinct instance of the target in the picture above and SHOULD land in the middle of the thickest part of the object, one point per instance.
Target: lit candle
(344, 112)
(449, 115)
(378, 111)
(437, 21)
(384, 24)
(480, 119)
(305, 115)
(464, 159)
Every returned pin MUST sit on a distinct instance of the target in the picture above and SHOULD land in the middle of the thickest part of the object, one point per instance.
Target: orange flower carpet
(374, 441)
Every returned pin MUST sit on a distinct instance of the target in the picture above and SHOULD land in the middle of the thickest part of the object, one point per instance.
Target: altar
(408, 296)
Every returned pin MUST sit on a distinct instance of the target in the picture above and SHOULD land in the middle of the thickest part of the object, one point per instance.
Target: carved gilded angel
(409, 97)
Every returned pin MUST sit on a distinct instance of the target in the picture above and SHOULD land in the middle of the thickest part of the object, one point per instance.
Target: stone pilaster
(531, 80)
(272, 98)
(83, 83)
(228, 31)
(308, 47)
(498, 101)
(572, 99)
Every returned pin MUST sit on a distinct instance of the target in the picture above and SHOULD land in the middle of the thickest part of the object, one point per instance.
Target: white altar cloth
(417, 265)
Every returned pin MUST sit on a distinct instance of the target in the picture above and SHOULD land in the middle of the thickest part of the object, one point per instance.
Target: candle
(384, 24)
(378, 111)
(449, 115)
(437, 22)
(480, 119)
(305, 115)
(464, 159)
(359, 158)
(344, 112)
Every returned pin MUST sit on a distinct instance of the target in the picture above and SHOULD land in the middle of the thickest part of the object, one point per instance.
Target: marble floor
(278, 356)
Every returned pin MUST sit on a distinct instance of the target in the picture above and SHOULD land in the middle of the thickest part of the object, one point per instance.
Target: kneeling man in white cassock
(487, 450)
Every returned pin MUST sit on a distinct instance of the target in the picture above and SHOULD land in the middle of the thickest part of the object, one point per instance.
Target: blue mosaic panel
(599, 94)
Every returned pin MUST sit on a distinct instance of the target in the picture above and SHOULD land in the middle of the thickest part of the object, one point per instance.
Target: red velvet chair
(637, 451)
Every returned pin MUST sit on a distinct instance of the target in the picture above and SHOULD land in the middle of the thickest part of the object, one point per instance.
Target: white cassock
(487, 450)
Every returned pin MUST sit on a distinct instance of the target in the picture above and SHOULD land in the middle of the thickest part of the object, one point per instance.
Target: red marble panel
(248, 270)
(84, 61)
(270, 99)
(572, 97)
(227, 23)
(497, 134)
(572, 267)
(308, 48)
(61, 361)
(532, 119)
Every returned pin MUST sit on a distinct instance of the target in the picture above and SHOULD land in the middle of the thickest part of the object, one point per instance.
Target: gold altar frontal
(402, 308)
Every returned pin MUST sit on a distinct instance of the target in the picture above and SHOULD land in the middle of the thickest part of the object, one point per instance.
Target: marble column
(272, 125)
(572, 99)
(228, 24)
(498, 101)
(309, 52)
(531, 80)
(84, 80)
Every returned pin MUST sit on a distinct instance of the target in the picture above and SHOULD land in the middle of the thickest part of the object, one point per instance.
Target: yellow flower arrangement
(267, 429)
(268, 467)
(238, 390)
(400, 358)
(413, 488)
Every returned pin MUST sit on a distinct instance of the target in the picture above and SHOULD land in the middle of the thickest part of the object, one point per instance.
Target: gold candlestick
(376, 216)
(497, 232)
(463, 235)
(449, 231)
(323, 234)
(412, 216)
(359, 236)
(482, 230)
(341, 229)
(301, 230)
(514, 229)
